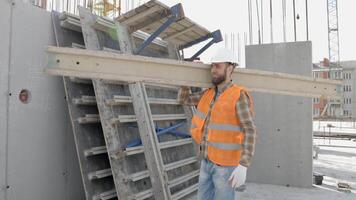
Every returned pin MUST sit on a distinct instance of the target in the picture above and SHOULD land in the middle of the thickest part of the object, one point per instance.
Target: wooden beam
(130, 68)
(143, 14)
(179, 33)
(139, 9)
(153, 19)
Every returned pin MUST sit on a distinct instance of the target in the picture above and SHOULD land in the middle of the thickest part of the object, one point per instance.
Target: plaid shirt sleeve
(248, 128)
(186, 98)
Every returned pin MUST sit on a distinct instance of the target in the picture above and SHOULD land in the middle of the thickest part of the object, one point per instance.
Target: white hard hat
(224, 55)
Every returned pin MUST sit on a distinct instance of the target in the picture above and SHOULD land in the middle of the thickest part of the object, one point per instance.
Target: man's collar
(222, 89)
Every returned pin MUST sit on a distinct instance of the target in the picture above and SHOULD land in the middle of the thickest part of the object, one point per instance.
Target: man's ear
(230, 67)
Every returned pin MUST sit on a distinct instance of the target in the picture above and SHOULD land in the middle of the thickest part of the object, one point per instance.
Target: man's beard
(216, 81)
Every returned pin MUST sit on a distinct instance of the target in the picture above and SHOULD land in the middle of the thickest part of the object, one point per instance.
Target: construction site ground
(336, 161)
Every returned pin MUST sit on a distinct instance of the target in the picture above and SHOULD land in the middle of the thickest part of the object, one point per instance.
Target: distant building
(344, 107)
(348, 88)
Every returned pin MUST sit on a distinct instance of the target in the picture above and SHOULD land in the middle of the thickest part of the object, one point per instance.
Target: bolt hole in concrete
(78, 62)
(25, 96)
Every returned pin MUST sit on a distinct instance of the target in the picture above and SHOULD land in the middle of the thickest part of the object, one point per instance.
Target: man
(223, 127)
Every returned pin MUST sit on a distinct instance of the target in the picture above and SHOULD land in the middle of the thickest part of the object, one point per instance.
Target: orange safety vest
(225, 136)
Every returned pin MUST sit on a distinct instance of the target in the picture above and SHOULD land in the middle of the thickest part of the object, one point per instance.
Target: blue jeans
(214, 182)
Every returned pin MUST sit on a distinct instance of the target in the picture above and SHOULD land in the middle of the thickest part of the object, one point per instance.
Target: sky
(231, 16)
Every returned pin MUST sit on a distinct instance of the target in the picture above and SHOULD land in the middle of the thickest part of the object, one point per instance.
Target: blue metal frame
(176, 14)
(217, 37)
(161, 131)
(180, 134)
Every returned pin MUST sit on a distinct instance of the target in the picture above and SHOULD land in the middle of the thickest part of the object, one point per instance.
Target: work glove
(238, 176)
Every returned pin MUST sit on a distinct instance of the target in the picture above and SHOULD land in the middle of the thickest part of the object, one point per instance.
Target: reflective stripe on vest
(200, 114)
(225, 146)
(224, 127)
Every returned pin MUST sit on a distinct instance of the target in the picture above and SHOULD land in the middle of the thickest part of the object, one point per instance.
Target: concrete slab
(257, 191)
(284, 123)
(337, 162)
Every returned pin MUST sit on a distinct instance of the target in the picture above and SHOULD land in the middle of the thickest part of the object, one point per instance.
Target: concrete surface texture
(39, 152)
(336, 161)
(4, 71)
(284, 123)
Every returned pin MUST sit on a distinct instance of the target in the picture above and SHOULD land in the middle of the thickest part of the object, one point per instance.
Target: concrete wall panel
(42, 161)
(284, 123)
(5, 10)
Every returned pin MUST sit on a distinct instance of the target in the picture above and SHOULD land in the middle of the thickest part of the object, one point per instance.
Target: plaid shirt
(243, 113)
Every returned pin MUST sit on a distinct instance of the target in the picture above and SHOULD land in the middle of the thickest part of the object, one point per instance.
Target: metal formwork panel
(179, 166)
(132, 180)
(87, 130)
(119, 158)
(173, 153)
(171, 175)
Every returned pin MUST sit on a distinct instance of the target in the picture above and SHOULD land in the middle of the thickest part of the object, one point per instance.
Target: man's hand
(185, 88)
(183, 94)
(238, 176)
